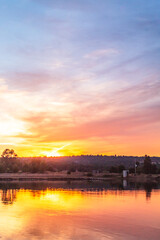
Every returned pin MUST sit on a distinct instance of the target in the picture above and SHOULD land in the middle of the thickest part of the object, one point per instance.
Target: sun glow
(11, 126)
(52, 154)
(55, 152)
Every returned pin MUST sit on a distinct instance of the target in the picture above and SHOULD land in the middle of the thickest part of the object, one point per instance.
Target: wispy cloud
(84, 73)
(102, 53)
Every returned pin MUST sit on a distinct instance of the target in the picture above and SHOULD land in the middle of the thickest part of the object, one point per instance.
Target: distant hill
(96, 160)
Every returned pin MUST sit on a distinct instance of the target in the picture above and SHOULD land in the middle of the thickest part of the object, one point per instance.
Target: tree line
(10, 163)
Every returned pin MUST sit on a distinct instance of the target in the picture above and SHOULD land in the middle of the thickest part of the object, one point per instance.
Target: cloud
(131, 61)
(79, 71)
(29, 80)
(45, 119)
(34, 81)
(102, 53)
(46, 127)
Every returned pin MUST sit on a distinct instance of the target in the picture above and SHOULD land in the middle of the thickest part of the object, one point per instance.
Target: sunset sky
(80, 77)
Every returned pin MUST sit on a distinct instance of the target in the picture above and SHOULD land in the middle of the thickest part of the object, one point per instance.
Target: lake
(79, 210)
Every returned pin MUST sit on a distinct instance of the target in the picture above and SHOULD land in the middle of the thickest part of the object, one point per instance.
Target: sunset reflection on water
(78, 214)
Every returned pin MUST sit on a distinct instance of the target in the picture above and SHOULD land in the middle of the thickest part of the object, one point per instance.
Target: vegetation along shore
(73, 168)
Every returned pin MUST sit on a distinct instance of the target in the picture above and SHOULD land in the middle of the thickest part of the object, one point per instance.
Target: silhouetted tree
(9, 153)
(147, 165)
(36, 166)
(153, 169)
(9, 161)
(121, 168)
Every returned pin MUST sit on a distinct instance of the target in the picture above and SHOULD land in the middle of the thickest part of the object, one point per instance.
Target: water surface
(38, 211)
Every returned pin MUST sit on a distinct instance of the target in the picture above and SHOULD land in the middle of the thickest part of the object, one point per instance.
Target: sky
(80, 77)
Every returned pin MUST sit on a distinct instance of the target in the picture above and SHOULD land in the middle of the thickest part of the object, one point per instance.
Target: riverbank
(55, 176)
(63, 176)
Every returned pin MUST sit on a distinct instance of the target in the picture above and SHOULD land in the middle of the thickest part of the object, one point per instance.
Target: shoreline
(75, 177)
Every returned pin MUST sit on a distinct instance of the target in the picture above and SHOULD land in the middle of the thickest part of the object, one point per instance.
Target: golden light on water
(53, 214)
